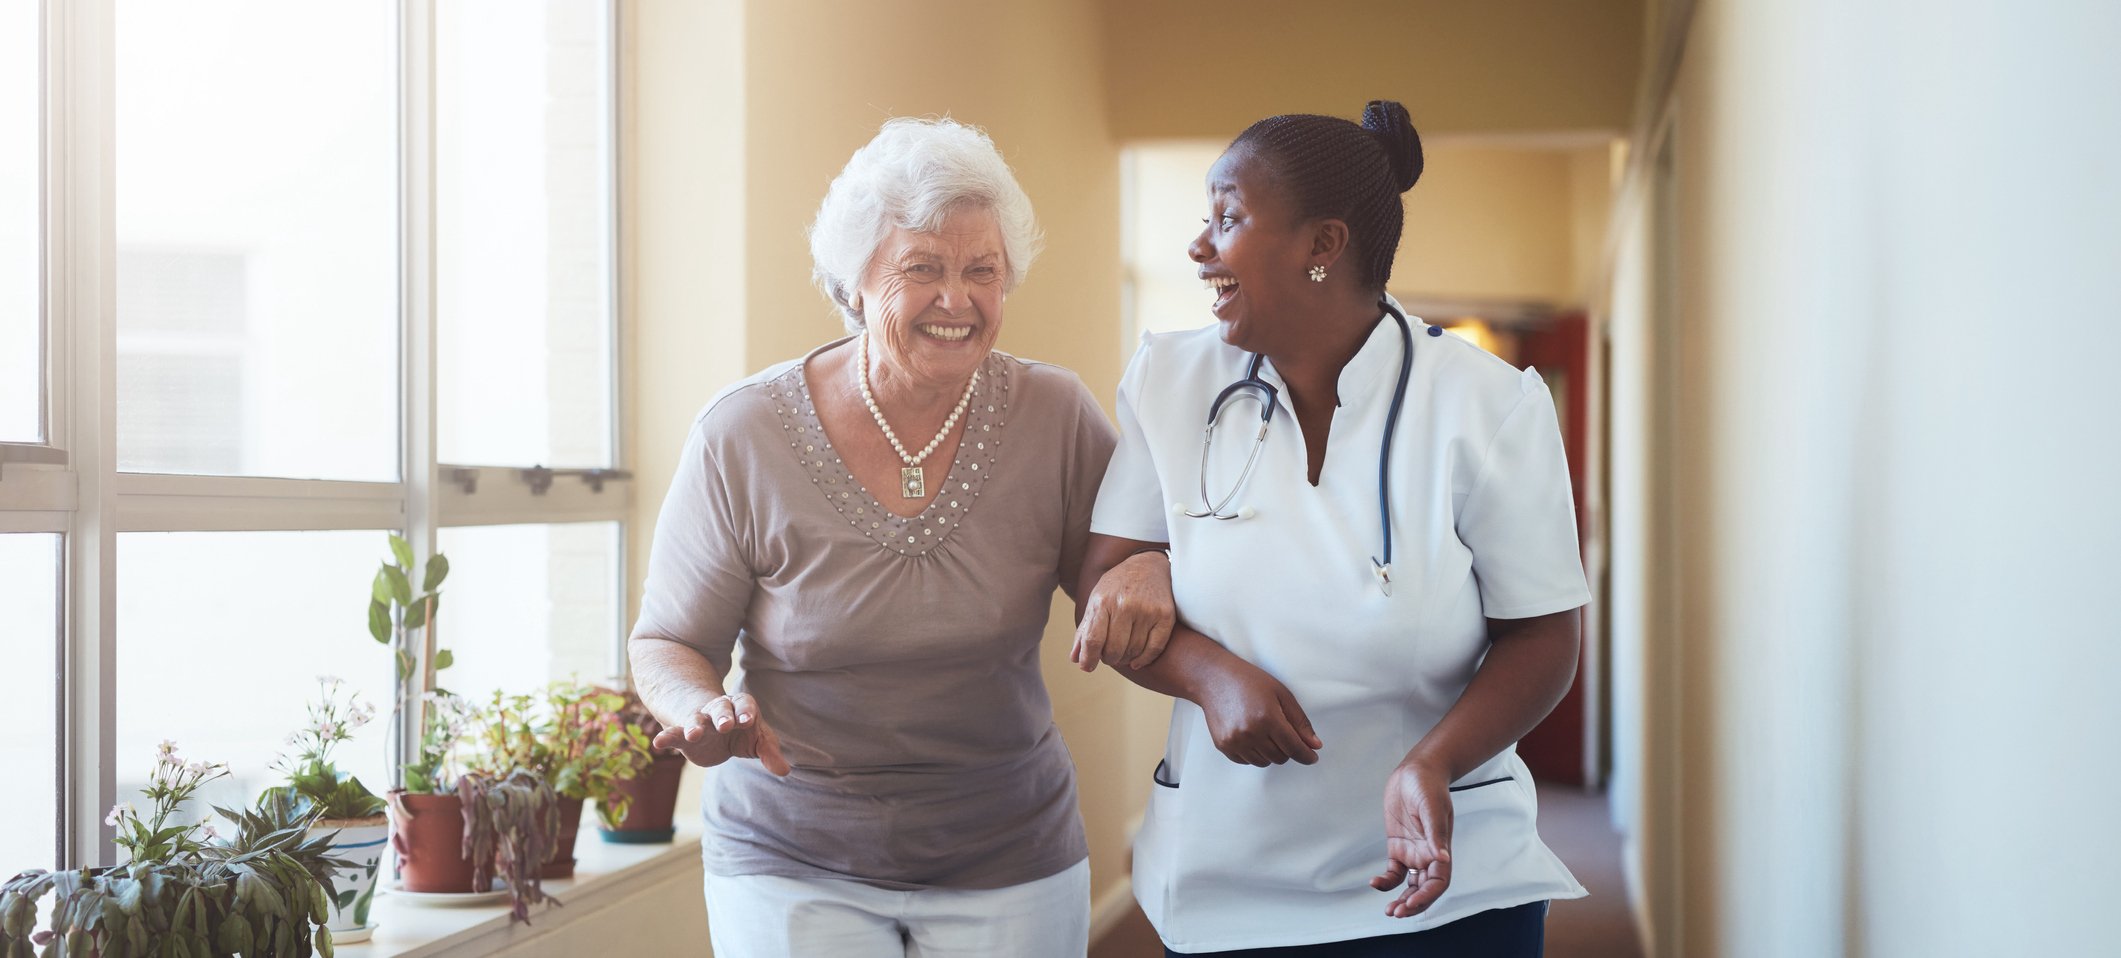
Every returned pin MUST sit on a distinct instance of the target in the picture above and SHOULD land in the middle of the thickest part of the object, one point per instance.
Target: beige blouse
(896, 657)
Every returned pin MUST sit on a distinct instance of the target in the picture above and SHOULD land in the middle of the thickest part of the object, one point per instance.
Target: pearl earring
(1318, 274)
(854, 303)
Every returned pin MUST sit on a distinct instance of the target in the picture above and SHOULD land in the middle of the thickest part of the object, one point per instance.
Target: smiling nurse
(1388, 596)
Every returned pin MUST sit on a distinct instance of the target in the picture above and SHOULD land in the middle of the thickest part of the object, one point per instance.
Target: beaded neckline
(915, 535)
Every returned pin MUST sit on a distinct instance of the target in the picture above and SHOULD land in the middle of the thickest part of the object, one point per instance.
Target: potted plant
(643, 809)
(265, 892)
(345, 808)
(427, 824)
(575, 741)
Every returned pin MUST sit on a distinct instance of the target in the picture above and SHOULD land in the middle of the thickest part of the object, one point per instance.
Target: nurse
(1372, 612)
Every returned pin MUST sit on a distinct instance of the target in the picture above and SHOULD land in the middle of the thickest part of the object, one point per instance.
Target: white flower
(118, 811)
(207, 833)
(196, 768)
(330, 681)
(167, 747)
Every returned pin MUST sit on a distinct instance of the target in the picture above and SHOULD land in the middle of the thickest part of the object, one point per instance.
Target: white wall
(1891, 515)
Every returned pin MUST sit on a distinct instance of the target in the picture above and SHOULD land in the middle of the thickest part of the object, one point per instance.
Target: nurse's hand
(1417, 838)
(725, 728)
(1255, 719)
(1129, 617)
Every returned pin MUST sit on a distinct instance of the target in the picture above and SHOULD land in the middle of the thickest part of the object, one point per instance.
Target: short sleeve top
(897, 658)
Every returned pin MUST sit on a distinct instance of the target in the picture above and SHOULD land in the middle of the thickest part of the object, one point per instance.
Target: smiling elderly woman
(880, 525)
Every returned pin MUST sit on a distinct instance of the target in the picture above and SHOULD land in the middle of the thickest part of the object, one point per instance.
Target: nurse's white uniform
(1231, 856)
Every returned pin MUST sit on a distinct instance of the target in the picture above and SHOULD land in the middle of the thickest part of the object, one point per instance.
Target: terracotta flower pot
(562, 863)
(427, 831)
(654, 792)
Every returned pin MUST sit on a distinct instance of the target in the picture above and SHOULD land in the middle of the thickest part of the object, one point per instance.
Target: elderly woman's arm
(700, 721)
(1252, 716)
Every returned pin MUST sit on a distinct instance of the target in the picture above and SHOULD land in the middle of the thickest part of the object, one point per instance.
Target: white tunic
(1231, 856)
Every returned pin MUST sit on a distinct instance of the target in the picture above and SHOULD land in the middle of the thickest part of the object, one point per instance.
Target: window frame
(69, 484)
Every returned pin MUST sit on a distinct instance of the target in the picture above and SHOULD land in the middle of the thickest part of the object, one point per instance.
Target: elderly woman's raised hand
(1129, 617)
(725, 728)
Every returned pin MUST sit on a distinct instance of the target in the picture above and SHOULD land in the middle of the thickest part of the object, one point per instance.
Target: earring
(854, 302)
(1318, 274)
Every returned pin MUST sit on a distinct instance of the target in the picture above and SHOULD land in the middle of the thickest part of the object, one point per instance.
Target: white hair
(913, 175)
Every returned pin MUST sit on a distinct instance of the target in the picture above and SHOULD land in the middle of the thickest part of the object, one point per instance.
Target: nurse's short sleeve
(1519, 519)
(699, 582)
(1130, 502)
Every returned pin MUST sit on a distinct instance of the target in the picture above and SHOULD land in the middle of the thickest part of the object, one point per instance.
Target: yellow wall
(1208, 68)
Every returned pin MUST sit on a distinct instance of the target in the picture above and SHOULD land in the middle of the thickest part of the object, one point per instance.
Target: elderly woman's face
(933, 300)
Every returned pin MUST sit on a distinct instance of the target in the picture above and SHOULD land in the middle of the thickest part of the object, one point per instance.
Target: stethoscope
(1262, 392)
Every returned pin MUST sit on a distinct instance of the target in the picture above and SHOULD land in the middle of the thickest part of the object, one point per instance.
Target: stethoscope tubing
(1268, 399)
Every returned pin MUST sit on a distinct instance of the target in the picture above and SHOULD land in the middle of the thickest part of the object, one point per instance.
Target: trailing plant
(511, 823)
(574, 739)
(310, 773)
(186, 891)
(397, 614)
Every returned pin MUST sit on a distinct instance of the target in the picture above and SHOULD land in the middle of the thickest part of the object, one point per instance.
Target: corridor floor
(1574, 824)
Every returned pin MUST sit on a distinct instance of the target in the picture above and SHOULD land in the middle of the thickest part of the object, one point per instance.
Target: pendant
(912, 484)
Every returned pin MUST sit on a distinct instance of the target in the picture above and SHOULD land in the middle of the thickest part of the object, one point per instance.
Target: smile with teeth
(1223, 286)
(948, 334)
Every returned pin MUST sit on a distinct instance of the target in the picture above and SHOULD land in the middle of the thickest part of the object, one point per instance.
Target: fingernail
(743, 716)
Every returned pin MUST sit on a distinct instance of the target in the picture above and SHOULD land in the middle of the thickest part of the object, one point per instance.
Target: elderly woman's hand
(1129, 617)
(725, 728)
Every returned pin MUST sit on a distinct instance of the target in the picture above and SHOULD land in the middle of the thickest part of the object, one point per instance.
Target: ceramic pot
(654, 792)
(360, 841)
(427, 832)
(562, 863)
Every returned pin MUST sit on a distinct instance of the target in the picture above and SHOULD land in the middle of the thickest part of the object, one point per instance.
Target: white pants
(768, 916)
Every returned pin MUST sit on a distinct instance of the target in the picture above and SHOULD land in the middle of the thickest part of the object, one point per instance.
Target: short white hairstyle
(913, 175)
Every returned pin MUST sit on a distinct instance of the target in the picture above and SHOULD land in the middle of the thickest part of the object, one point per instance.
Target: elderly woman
(880, 525)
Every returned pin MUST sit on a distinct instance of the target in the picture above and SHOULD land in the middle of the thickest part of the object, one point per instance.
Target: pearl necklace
(913, 483)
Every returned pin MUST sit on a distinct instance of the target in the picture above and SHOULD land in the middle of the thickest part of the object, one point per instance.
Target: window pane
(29, 749)
(523, 220)
(525, 605)
(220, 638)
(21, 261)
(257, 293)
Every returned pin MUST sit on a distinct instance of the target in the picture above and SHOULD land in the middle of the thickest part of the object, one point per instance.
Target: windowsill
(603, 873)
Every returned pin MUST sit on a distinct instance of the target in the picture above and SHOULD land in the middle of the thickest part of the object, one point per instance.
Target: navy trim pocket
(1492, 781)
(1162, 769)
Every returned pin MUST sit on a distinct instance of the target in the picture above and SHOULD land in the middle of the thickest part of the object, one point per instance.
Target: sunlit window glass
(21, 260)
(29, 750)
(221, 639)
(523, 216)
(527, 604)
(257, 238)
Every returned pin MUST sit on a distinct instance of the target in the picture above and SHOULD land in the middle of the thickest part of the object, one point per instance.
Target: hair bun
(1388, 121)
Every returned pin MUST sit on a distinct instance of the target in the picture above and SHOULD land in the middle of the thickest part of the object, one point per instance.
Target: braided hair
(1334, 168)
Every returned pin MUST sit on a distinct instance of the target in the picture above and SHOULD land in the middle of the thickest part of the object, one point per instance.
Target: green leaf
(379, 621)
(402, 550)
(416, 615)
(400, 589)
(379, 590)
(444, 659)
(437, 570)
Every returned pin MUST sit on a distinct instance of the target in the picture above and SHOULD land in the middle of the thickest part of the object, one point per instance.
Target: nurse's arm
(1254, 718)
(1529, 665)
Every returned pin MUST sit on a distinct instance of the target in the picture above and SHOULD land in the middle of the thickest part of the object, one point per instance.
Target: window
(257, 238)
(524, 228)
(285, 334)
(21, 226)
(29, 591)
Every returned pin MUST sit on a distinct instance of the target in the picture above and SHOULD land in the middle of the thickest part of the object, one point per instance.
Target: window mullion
(417, 393)
(81, 202)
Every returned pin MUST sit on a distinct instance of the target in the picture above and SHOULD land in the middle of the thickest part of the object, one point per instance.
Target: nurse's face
(1254, 255)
